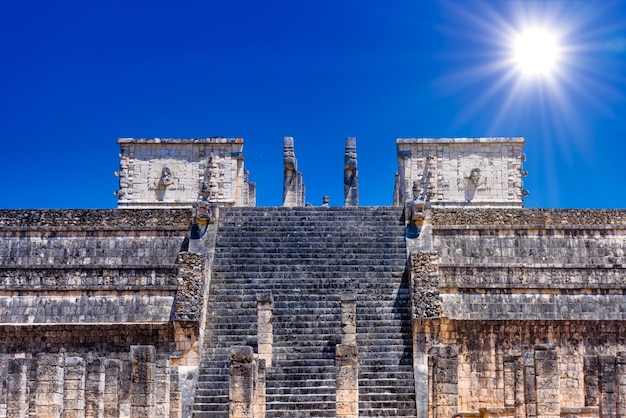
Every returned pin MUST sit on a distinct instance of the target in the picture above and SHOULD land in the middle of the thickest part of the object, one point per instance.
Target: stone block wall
(531, 264)
(533, 303)
(176, 172)
(77, 267)
(460, 171)
(87, 313)
(89, 370)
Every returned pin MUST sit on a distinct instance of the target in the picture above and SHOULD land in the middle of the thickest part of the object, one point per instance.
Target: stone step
(390, 375)
(212, 400)
(301, 370)
(212, 377)
(304, 362)
(289, 397)
(301, 414)
(299, 406)
(391, 404)
(306, 257)
(211, 393)
(278, 390)
(386, 396)
(387, 412)
(305, 378)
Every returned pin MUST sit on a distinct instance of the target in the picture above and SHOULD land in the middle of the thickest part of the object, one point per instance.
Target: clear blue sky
(76, 75)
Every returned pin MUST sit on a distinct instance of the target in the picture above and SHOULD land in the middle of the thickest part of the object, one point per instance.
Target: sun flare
(536, 52)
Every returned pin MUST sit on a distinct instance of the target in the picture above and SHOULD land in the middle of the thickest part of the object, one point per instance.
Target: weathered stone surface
(293, 186)
(176, 172)
(461, 171)
(424, 270)
(191, 286)
(350, 174)
(516, 312)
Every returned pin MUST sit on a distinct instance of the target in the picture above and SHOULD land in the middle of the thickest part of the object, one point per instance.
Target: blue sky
(76, 75)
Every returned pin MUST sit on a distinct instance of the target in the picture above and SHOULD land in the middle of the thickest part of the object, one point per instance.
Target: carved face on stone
(475, 176)
(166, 176)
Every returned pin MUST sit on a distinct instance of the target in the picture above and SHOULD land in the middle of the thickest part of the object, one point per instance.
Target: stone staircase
(306, 257)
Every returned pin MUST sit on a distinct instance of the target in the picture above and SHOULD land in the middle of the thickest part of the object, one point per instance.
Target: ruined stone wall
(533, 308)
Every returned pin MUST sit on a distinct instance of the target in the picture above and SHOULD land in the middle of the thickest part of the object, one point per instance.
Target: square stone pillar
(259, 389)
(444, 363)
(241, 386)
(49, 395)
(111, 387)
(74, 388)
(94, 387)
(530, 388)
(348, 318)
(547, 382)
(347, 362)
(592, 379)
(608, 398)
(17, 388)
(621, 384)
(265, 306)
(347, 365)
(142, 394)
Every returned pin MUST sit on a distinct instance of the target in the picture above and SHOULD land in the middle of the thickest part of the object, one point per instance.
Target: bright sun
(536, 52)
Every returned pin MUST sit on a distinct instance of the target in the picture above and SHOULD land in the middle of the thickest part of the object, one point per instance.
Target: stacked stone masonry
(533, 303)
(467, 305)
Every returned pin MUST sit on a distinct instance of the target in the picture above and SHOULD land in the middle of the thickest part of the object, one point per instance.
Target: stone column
(346, 361)
(608, 399)
(509, 381)
(293, 187)
(444, 362)
(241, 386)
(111, 388)
(265, 306)
(74, 388)
(350, 175)
(530, 390)
(347, 365)
(162, 387)
(17, 392)
(520, 400)
(621, 384)
(49, 396)
(94, 388)
(592, 379)
(348, 318)
(258, 408)
(547, 382)
(142, 397)
(176, 410)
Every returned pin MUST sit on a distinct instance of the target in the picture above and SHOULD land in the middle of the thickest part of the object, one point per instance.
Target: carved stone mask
(166, 176)
(475, 176)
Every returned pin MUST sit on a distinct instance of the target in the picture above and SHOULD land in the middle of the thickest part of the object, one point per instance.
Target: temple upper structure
(468, 172)
(178, 172)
